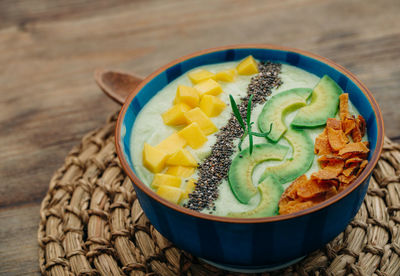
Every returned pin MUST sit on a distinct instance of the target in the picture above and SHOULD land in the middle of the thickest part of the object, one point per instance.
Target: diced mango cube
(227, 75)
(188, 95)
(161, 179)
(211, 105)
(172, 143)
(172, 194)
(196, 115)
(174, 115)
(153, 158)
(193, 135)
(248, 66)
(210, 87)
(190, 186)
(200, 75)
(180, 171)
(182, 158)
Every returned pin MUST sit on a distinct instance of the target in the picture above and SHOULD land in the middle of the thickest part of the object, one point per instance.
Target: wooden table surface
(49, 50)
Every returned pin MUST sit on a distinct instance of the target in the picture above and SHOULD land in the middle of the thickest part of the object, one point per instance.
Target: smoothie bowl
(250, 156)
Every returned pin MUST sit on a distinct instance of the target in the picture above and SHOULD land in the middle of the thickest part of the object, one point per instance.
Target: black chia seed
(216, 166)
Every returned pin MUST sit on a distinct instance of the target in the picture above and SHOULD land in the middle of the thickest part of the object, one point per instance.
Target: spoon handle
(116, 84)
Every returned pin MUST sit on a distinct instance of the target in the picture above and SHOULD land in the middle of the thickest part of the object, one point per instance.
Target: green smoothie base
(149, 128)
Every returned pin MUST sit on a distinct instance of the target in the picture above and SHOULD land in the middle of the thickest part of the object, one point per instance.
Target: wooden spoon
(116, 84)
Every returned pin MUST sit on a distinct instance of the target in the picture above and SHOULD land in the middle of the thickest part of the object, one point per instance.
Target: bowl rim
(361, 178)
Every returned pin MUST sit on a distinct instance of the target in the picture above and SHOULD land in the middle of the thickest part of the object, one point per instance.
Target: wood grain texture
(49, 50)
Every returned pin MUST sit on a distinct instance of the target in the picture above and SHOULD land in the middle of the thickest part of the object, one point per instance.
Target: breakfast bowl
(251, 244)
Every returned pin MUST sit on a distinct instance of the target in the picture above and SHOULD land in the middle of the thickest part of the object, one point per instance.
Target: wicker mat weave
(91, 223)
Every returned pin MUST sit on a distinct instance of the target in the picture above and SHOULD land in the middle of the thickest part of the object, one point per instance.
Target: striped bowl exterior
(251, 242)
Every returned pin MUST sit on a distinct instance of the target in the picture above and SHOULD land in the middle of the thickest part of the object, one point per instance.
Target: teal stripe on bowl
(174, 72)
(229, 55)
(293, 58)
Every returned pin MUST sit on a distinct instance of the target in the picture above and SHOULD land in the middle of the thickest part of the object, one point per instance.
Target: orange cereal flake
(326, 174)
(295, 206)
(348, 125)
(343, 156)
(334, 169)
(351, 170)
(353, 160)
(298, 205)
(334, 165)
(313, 189)
(291, 192)
(346, 179)
(362, 125)
(330, 158)
(362, 166)
(356, 134)
(322, 146)
(326, 178)
(334, 123)
(354, 149)
(337, 139)
(344, 106)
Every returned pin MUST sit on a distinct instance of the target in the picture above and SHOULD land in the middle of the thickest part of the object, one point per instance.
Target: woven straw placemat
(91, 223)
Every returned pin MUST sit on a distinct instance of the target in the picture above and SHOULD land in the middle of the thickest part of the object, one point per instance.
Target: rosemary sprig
(246, 127)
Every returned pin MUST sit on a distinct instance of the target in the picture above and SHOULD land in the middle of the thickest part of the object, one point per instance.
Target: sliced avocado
(324, 104)
(301, 161)
(276, 108)
(270, 193)
(241, 170)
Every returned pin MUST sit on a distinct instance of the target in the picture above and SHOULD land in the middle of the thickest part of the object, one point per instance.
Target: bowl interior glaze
(358, 94)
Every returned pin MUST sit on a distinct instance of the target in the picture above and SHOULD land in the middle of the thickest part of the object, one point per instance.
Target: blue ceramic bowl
(261, 243)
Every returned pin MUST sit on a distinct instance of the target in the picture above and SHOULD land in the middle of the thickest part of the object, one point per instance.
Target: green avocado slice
(270, 193)
(301, 161)
(324, 104)
(276, 108)
(241, 170)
